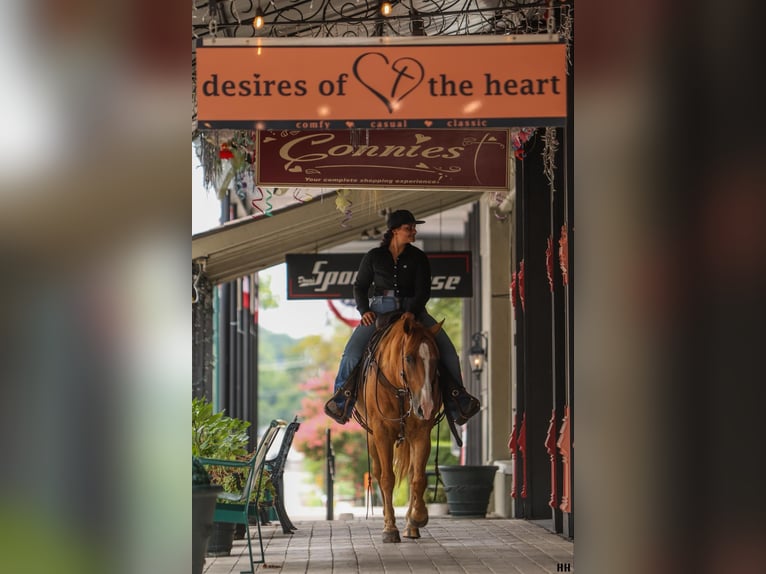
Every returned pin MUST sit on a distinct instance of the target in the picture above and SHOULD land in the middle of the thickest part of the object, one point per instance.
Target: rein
(400, 392)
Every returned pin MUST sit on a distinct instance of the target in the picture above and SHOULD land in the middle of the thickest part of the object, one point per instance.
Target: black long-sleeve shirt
(409, 277)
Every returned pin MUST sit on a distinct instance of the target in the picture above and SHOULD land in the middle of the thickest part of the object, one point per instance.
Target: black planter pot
(203, 507)
(468, 488)
(221, 539)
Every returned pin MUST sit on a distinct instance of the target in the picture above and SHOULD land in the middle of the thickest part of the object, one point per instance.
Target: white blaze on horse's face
(426, 398)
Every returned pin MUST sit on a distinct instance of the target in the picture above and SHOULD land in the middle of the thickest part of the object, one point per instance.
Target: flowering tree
(349, 441)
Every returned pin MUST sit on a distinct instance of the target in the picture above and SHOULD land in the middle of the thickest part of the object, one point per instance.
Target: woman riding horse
(401, 275)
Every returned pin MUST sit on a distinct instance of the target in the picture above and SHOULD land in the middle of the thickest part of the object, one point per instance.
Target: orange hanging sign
(382, 83)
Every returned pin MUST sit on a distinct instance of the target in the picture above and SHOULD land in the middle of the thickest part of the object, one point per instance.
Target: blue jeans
(362, 334)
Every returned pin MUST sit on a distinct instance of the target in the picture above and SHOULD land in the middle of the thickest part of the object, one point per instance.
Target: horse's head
(420, 357)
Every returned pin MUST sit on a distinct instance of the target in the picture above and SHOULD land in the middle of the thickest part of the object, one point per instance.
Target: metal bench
(276, 466)
(234, 507)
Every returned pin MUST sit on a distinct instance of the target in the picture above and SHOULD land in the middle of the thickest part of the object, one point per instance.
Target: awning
(246, 246)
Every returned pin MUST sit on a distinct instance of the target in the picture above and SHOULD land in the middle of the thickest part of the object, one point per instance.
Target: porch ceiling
(246, 246)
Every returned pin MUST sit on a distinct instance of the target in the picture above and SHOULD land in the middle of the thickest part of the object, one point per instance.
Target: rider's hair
(387, 237)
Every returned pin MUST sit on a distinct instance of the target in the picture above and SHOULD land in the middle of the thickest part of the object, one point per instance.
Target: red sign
(402, 159)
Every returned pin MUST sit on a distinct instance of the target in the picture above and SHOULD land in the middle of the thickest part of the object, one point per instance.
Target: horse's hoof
(391, 536)
(417, 523)
(411, 532)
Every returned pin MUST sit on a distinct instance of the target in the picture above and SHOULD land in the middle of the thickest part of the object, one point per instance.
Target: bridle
(401, 393)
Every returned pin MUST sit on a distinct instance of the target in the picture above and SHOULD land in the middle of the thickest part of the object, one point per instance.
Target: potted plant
(216, 435)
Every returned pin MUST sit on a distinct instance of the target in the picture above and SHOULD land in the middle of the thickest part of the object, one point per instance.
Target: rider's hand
(368, 318)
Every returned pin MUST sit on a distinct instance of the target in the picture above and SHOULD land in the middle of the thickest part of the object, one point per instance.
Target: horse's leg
(385, 477)
(417, 514)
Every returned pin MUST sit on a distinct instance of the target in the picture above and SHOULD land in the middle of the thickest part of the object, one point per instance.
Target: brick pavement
(448, 546)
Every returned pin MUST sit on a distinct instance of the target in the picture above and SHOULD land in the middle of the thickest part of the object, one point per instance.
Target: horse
(398, 403)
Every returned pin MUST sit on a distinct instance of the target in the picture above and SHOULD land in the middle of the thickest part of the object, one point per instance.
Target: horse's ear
(436, 328)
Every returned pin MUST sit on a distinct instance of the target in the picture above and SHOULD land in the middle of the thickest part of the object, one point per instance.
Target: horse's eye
(408, 359)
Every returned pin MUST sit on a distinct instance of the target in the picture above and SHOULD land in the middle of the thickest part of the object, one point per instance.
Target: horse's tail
(402, 461)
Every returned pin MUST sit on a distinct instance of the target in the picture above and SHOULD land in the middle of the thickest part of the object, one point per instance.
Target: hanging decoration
(343, 204)
(549, 262)
(254, 203)
(550, 448)
(549, 157)
(565, 446)
(564, 255)
(301, 195)
(519, 137)
(225, 156)
(522, 440)
(521, 285)
(513, 447)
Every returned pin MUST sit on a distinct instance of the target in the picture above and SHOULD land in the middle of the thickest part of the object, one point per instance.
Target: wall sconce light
(385, 8)
(478, 352)
(258, 20)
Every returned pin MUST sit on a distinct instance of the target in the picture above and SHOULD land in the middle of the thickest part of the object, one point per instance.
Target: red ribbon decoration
(521, 284)
(346, 320)
(225, 152)
(514, 292)
(564, 255)
(549, 262)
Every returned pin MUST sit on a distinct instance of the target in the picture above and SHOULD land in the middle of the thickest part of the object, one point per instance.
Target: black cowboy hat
(401, 217)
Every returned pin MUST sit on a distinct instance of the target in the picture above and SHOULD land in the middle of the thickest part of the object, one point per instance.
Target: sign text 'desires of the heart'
(378, 86)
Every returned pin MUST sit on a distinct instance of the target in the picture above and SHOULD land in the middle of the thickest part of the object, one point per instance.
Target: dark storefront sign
(402, 159)
(331, 276)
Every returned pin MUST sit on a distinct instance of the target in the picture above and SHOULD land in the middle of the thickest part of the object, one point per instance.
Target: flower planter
(468, 489)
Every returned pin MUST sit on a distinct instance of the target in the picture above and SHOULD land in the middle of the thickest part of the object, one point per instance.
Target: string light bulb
(258, 20)
(385, 8)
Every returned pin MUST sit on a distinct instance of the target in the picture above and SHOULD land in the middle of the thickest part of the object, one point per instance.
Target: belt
(389, 293)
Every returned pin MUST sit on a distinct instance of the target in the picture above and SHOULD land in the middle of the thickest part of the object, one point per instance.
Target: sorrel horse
(398, 402)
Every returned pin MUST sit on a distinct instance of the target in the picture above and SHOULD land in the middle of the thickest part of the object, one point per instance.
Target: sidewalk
(352, 543)
(447, 546)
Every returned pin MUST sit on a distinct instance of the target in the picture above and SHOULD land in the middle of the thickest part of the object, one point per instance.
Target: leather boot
(341, 405)
(458, 403)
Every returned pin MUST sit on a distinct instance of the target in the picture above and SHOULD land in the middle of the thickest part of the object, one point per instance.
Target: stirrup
(461, 406)
(333, 410)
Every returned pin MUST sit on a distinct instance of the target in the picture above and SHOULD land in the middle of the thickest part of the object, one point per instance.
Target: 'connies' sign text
(456, 159)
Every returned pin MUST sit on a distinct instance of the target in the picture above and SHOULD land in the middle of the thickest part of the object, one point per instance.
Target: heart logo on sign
(390, 82)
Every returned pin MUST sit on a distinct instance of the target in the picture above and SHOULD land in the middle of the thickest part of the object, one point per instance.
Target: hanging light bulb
(258, 20)
(385, 8)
